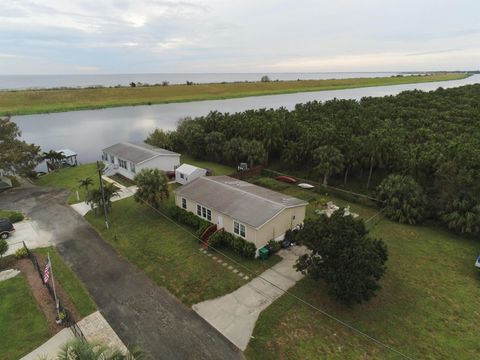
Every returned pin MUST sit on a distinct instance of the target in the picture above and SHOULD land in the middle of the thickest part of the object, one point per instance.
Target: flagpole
(53, 283)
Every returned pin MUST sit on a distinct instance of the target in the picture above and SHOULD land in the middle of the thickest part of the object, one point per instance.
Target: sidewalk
(30, 232)
(124, 192)
(95, 329)
(235, 314)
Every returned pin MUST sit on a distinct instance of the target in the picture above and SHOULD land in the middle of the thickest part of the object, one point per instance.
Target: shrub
(274, 246)
(3, 247)
(187, 218)
(249, 250)
(21, 253)
(216, 241)
(203, 227)
(16, 217)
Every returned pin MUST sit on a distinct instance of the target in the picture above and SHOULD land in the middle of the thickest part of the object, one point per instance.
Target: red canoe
(287, 179)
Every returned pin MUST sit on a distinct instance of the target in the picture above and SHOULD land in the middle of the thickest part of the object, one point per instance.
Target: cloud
(86, 69)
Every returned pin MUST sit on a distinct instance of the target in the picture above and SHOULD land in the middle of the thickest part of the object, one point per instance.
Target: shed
(186, 173)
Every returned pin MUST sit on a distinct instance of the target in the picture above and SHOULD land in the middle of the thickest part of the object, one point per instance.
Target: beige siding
(276, 227)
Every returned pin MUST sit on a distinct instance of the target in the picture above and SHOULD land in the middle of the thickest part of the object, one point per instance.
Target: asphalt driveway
(139, 311)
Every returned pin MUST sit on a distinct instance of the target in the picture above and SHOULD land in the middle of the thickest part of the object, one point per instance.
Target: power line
(354, 329)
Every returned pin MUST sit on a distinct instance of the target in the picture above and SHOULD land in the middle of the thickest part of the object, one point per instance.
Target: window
(122, 163)
(203, 212)
(184, 203)
(112, 159)
(181, 176)
(239, 228)
(104, 156)
(132, 167)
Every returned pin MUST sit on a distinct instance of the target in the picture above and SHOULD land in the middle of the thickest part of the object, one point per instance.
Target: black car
(6, 228)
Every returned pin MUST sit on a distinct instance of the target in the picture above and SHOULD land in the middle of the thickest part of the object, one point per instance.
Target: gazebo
(70, 157)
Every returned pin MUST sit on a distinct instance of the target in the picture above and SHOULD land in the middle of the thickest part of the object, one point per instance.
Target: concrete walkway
(235, 314)
(95, 329)
(29, 232)
(124, 192)
(8, 274)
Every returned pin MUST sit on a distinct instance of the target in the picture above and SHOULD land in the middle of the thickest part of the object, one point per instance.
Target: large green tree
(344, 256)
(403, 199)
(16, 156)
(329, 161)
(152, 187)
(95, 198)
(462, 213)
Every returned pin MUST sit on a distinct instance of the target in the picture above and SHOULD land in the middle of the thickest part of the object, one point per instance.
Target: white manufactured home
(128, 159)
(246, 210)
(186, 173)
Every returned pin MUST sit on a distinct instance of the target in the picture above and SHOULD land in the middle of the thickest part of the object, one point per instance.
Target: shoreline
(43, 103)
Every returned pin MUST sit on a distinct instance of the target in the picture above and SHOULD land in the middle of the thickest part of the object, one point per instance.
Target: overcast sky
(141, 36)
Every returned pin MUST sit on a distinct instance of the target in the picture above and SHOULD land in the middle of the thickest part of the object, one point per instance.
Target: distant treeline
(432, 136)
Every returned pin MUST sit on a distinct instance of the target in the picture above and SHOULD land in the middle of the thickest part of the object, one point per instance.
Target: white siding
(189, 177)
(162, 162)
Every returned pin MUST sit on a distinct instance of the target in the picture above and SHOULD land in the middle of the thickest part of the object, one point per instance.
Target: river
(88, 131)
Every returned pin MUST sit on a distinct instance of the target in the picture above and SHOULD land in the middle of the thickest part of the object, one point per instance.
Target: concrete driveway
(235, 314)
(138, 310)
(28, 231)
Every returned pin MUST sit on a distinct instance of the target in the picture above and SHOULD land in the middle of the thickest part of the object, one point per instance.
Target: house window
(181, 176)
(132, 167)
(184, 203)
(104, 157)
(122, 163)
(112, 159)
(203, 212)
(239, 228)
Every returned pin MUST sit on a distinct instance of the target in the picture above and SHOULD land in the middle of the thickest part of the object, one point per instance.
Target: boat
(306, 186)
(286, 179)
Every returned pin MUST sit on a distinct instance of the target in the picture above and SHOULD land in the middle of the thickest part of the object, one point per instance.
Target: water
(16, 82)
(89, 131)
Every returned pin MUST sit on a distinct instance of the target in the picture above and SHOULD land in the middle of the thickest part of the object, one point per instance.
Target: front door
(219, 222)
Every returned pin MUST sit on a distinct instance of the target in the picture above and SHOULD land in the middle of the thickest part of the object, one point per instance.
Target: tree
(255, 151)
(81, 350)
(462, 213)
(152, 187)
(329, 161)
(54, 158)
(16, 156)
(214, 146)
(265, 78)
(85, 182)
(403, 198)
(162, 139)
(3, 247)
(95, 200)
(342, 254)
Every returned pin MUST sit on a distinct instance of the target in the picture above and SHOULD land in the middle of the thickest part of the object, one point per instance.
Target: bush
(21, 253)
(16, 217)
(187, 218)
(216, 241)
(202, 228)
(3, 247)
(274, 246)
(249, 250)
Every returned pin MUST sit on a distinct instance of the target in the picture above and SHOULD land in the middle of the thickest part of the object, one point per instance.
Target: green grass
(168, 254)
(428, 307)
(68, 178)
(73, 287)
(23, 326)
(216, 168)
(42, 101)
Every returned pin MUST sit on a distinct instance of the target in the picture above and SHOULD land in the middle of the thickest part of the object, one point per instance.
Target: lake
(89, 131)
(16, 82)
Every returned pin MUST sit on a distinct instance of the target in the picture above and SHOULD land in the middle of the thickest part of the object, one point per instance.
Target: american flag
(46, 272)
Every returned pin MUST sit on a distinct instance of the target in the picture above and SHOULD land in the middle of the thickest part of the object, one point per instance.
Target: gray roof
(136, 153)
(242, 201)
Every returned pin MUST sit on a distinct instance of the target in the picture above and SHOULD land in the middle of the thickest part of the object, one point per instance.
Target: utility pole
(99, 168)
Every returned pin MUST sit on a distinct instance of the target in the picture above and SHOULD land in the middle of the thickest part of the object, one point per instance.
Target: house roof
(67, 152)
(187, 169)
(242, 201)
(137, 153)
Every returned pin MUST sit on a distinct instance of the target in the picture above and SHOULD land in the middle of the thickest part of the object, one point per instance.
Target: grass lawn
(41, 101)
(427, 309)
(73, 287)
(23, 326)
(68, 178)
(216, 168)
(168, 254)
(13, 216)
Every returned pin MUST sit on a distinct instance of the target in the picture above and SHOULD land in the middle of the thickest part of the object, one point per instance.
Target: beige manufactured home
(252, 212)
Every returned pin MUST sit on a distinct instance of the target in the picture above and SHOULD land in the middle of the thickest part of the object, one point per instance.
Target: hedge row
(189, 219)
(240, 246)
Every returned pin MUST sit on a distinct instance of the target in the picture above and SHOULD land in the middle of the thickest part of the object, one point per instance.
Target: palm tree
(152, 187)
(85, 182)
(54, 158)
(330, 161)
(94, 197)
(80, 350)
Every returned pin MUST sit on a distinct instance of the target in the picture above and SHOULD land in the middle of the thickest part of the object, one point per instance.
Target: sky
(155, 36)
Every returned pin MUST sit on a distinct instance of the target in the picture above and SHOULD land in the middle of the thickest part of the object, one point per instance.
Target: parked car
(6, 228)
(477, 263)
(170, 175)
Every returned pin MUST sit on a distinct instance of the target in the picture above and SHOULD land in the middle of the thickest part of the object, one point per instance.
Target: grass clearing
(428, 307)
(168, 254)
(216, 168)
(55, 100)
(13, 216)
(72, 286)
(68, 178)
(23, 326)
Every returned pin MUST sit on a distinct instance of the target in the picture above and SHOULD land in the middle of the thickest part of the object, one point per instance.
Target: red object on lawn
(287, 179)
(170, 174)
